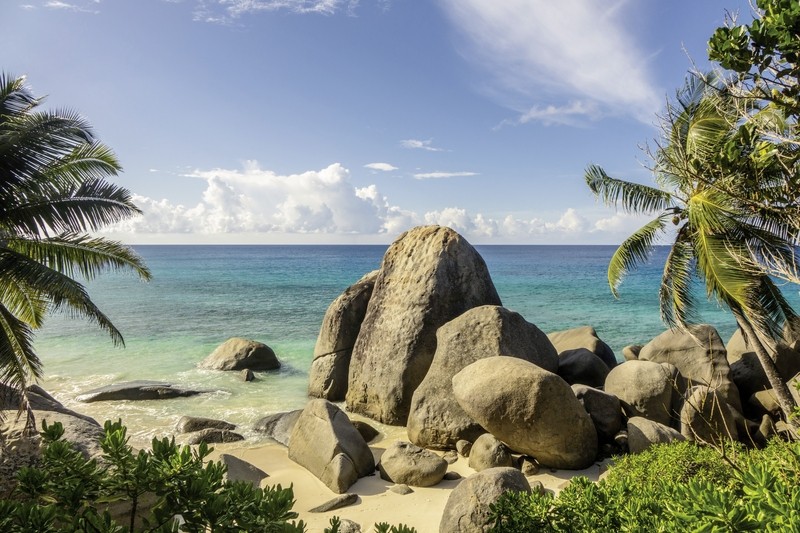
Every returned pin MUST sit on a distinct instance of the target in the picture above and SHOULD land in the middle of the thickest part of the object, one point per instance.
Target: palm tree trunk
(784, 396)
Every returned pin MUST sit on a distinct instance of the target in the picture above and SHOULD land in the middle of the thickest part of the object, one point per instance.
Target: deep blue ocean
(202, 295)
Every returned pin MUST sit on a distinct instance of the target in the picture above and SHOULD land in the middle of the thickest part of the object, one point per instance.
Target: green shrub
(66, 492)
(675, 487)
(168, 488)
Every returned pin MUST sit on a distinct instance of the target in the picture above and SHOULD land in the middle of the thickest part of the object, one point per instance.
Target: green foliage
(730, 192)
(167, 489)
(765, 52)
(675, 487)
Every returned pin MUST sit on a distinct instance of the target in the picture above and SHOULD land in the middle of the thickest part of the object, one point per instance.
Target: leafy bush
(67, 492)
(675, 487)
(168, 488)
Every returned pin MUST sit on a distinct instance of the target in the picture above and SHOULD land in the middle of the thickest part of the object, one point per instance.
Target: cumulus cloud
(325, 205)
(551, 53)
(227, 11)
(383, 167)
(253, 200)
(416, 144)
(440, 175)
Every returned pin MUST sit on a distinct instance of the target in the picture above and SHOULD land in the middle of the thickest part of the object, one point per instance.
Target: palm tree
(715, 183)
(53, 195)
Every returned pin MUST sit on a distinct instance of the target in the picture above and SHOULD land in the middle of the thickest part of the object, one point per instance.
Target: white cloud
(551, 53)
(383, 167)
(260, 201)
(325, 206)
(58, 4)
(416, 144)
(227, 11)
(571, 114)
(439, 175)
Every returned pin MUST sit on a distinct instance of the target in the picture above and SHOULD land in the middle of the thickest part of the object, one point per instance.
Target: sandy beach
(421, 509)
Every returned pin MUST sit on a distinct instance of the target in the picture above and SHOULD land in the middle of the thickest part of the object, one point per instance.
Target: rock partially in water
(189, 424)
(237, 354)
(136, 390)
(213, 436)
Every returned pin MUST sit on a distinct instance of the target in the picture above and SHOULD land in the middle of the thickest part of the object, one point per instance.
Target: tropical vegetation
(167, 488)
(54, 194)
(718, 187)
(670, 487)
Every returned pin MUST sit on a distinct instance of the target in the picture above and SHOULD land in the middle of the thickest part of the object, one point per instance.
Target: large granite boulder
(337, 336)
(404, 463)
(746, 370)
(237, 354)
(706, 417)
(583, 337)
(700, 357)
(488, 452)
(530, 409)
(604, 409)
(428, 276)
(583, 367)
(436, 420)
(643, 433)
(327, 445)
(646, 389)
(136, 390)
(467, 508)
(278, 426)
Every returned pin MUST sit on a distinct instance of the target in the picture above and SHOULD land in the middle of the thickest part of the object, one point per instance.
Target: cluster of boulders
(424, 342)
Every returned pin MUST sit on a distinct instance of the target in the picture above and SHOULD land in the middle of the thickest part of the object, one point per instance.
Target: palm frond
(18, 361)
(82, 255)
(15, 97)
(76, 209)
(676, 302)
(635, 198)
(61, 291)
(634, 251)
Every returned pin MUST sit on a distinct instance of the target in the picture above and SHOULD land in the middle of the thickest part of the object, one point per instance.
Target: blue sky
(347, 121)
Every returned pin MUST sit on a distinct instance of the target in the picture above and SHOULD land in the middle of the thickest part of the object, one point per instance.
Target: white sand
(421, 509)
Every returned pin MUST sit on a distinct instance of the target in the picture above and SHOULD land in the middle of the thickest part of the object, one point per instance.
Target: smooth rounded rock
(189, 424)
(583, 337)
(530, 409)
(237, 354)
(468, 507)
(643, 433)
(580, 366)
(646, 389)
(405, 463)
(436, 420)
(488, 452)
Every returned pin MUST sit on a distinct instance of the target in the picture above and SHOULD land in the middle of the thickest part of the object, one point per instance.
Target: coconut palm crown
(54, 194)
(717, 193)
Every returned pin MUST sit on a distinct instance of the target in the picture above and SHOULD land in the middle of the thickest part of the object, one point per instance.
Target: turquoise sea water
(202, 295)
